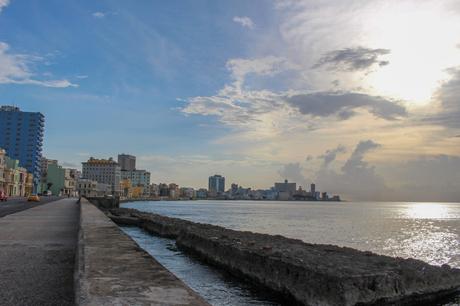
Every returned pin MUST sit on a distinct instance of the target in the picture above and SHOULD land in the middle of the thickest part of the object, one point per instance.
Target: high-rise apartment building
(216, 184)
(21, 135)
(105, 171)
(127, 162)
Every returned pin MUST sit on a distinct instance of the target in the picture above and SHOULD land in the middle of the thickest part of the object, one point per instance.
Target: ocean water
(426, 231)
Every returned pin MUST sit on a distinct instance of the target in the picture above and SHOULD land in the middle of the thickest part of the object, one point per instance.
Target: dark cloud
(356, 179)
(353, 59)
(356, 160)
(330, 155)
(449, 96)
(426, 178)
(344, 104)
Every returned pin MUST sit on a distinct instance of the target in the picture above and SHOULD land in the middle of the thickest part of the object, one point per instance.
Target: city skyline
(365, 105)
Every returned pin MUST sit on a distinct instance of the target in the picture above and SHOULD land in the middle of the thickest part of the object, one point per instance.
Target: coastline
(352, 276)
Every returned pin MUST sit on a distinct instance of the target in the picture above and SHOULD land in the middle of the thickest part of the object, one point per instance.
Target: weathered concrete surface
(311, 274)
(37, 252)
(113, 270)
(14, 205)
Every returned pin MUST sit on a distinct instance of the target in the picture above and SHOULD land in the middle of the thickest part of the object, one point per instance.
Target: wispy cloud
(99, 14)
(3, 4)
(14, 69)
(244, 21)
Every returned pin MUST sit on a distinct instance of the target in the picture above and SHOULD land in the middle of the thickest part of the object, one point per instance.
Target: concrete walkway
(37, 255)
(114, 270)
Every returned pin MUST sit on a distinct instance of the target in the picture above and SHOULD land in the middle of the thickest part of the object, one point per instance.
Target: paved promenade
(14, 205)
(37, 254)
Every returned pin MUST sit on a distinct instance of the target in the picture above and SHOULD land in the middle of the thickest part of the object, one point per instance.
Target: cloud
(330, 155)
(356, 161)
(69, 165)
(448, 96)
(356, 179)
(344, 105)
(244, 21)
(99, 15)
(14, 69)
(263, 66)
(3, 4)
(293, 173)
(353, 59)
(425, 178)
(235, 105)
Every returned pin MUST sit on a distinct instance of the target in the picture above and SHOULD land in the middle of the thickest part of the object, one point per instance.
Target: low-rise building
(187, 193)
(202, 193)
(91, 188)
(15, 178)
(2, 170)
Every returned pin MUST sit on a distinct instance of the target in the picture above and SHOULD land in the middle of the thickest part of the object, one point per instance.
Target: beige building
(90, 188)
(104, 171)
(2, 169)
(15, 178)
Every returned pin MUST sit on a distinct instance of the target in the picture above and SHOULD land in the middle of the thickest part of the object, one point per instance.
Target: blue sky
(336, 92)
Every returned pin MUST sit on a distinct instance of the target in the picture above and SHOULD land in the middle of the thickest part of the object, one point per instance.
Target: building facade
(21, 135)
(15, 178)
(216, 184)
(2, 170)
(285, 190)
(105, 171)
(127, 162)
(138, 178)
(90, 188)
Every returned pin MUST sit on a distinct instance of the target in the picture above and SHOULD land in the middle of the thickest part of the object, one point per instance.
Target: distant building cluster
(24, 171)
(119, 178)
(285, 191)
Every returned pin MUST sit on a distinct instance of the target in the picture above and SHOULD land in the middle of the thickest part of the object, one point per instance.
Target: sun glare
(423, 41)
(427, 211)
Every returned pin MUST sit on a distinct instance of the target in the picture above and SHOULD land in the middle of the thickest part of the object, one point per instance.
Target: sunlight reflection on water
(426, 231)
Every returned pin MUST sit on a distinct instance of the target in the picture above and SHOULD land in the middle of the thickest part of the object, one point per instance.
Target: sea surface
(426, 231)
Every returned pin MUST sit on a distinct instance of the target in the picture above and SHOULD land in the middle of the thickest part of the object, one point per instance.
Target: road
(37, 254)
(14, 205)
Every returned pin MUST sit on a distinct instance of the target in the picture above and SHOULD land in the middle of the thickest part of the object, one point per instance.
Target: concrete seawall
(307, 273)
(113, 270)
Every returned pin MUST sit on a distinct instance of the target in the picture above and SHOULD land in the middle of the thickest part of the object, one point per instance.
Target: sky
(360, 97)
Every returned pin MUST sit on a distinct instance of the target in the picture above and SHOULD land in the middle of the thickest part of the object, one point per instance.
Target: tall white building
(105, 171)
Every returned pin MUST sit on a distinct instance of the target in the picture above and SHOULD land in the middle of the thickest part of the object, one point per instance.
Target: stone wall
(306, 273)
(105, 202)
(113, 270)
